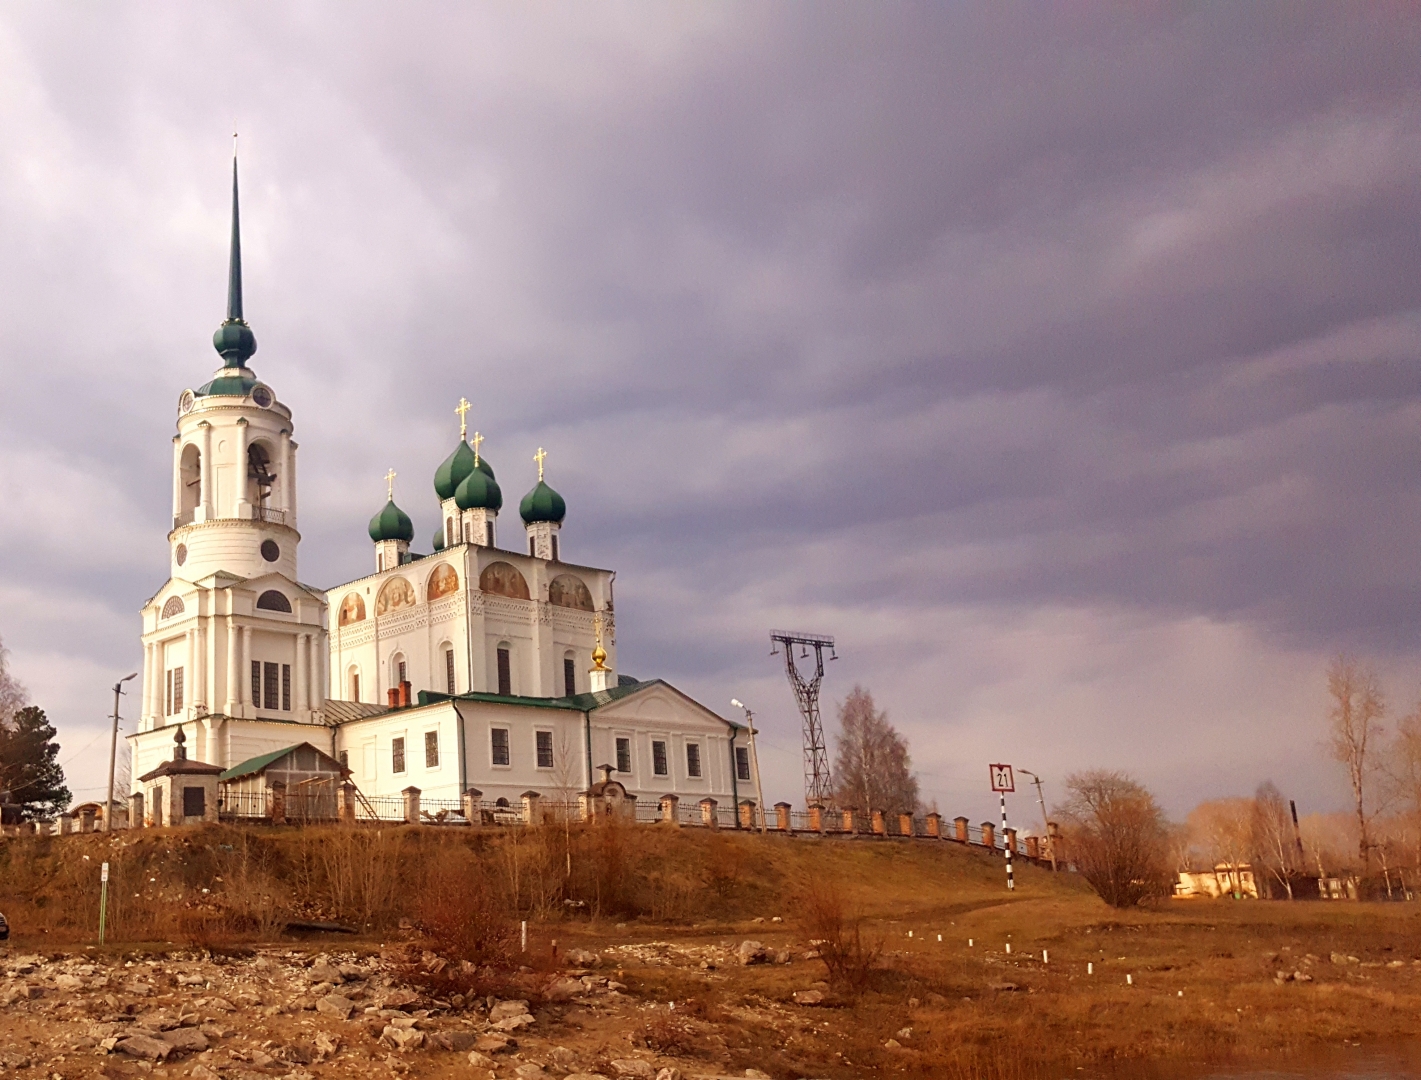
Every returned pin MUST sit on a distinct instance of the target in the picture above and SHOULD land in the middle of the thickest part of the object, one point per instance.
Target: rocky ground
(303, 1015)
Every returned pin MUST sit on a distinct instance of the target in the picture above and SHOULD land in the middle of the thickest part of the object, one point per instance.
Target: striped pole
(1006, 842)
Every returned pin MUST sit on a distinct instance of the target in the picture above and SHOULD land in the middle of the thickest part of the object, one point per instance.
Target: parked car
(4, 928)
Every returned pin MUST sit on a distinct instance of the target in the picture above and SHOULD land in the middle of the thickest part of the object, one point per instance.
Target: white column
(190, 664)
(303, 656)
(204, 501)
(285, 466)
(290, 492)
(232, 671)
(244, 676)
(177, 478)
(240, 506)
(149, 680)
(199, 666)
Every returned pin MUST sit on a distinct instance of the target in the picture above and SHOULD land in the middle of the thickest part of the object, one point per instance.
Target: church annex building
(474, 667)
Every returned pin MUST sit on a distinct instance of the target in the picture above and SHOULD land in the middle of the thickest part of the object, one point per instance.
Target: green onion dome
(439, 538)
(391, 523)
(479, 489)
(542, 504)
(235, 341)
(456, 468)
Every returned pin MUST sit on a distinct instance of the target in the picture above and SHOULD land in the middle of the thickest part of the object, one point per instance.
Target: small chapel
(475, 667)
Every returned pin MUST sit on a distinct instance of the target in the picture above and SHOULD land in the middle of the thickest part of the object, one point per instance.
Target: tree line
(29, 755)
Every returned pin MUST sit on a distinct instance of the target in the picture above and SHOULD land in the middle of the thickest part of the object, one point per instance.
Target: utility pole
(1045, 821)
(113, 757)
(754, 761)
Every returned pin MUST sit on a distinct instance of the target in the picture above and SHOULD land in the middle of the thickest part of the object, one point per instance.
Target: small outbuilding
(180, 791)
(297, 783)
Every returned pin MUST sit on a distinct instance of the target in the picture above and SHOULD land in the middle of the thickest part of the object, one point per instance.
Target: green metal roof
(257, 764)
(577, 703)
(227, 386)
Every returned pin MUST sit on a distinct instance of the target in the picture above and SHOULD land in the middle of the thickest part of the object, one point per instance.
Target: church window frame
(285, 687)
(256, 684)
(397, 754)
(660, 762)
(174, 605)
(503, 668)
(569, 674)
(532, 545)
(694, 766)
(742, 763)
(555, 548)
(623, 744)
(543, 746)
(274, 600)
(488, 533)
(353, 681)
(500, 748)
(449, 672)
(431, 749)
(271, 685)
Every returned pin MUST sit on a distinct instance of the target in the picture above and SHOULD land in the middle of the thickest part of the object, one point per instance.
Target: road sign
(104, 873)
(1002, 778)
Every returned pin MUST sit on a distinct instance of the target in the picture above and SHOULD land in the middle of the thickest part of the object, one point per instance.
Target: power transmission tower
(818, 788)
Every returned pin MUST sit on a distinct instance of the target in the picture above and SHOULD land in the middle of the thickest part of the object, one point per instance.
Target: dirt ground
(1175, 990)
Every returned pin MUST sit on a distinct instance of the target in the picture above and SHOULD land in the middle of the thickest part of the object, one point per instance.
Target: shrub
(1117, 836)
(839, 936)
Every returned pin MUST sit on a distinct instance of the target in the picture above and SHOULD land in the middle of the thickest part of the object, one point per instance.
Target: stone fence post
(1033, 847)
(747, 813)
(906, 825)
(86, 821)
(411, 795)
(816, 818)
(66, 824)
(345, 803)
(850, 825)
(531, 815)
(135, 810)
(278, 802)
(783, 821)
(668, 805)
(1011, 840)
(934, 825)
(959, 825)
(989, 834)
(708, 814)
(878, 823)
(469, 804)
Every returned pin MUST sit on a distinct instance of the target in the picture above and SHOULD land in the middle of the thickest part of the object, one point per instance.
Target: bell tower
(232, 633)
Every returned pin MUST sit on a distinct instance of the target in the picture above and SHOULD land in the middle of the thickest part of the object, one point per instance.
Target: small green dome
(235, 341)
(542, 504)
(479, 489)
(391, 523)
(456, 469)
(439, 538)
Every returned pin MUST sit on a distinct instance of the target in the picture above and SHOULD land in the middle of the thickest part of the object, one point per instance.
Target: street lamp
(1050, 841)
(754, 760)
(113, 750)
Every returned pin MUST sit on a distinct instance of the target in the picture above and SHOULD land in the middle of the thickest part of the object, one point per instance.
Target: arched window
(352, 609)
(271, 600)
(503, 579)
(443, 581)
(569, 673)
(174, 606)
(190, 480)
(260, 478)
(353, 681)
(399, 670)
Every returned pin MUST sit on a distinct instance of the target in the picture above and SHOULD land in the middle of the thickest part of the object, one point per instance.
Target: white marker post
(103, 899)
(1002, 782)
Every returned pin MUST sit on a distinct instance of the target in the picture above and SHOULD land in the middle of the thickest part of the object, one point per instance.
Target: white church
(473, 667)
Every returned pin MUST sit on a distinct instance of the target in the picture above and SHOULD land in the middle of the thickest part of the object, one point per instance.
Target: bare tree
(1403, 771)
(872, 768)
(1117, 836)
(1273, 841)
(1223, 830)
(13, 696)
(1354, 719)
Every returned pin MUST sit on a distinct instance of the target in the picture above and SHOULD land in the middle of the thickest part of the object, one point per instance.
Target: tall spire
(234, 338)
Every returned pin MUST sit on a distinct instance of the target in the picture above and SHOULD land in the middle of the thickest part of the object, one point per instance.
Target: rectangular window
(545, 749)
(693, 759)
(658, 758)
(499, 737)
(624, 755)
(488, 532)
(555, 547)
(569, 676)
(257, 684)
(742, 763)
(354, 687)
(397, 754)
(194, 802)
(271, 678)
(449, 670)
(286, 687)
(532, 546)
(402, 677)
(431, 749)
(177, 689)
(345, 759)
(505, 675)
(168, 694)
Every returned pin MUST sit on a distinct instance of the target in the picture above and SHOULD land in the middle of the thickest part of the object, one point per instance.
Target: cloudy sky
(1062, 362)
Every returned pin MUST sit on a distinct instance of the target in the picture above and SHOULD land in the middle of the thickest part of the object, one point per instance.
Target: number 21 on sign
(1002, 778)
(1002, 783)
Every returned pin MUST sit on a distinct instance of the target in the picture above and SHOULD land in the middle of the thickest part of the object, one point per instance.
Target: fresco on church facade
(443, 581)
(397, 593)
(352, 609)
(503, 579)
(569, 591)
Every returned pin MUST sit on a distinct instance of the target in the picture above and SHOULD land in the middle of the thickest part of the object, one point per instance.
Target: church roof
(589, 702)
(542, 504)
(180, 768)
(340, 712)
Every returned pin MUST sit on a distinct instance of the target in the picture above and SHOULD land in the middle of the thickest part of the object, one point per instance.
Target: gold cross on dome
(539, 458)
(390, 485)
(476, 440)
(463, 411)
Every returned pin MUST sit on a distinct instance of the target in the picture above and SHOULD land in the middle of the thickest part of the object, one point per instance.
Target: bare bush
(838, 933)
(1117, 836)
(1354, 718)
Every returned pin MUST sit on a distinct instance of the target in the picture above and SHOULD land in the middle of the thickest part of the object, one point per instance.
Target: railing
(244, 804)
(380, 808)
(266, 513)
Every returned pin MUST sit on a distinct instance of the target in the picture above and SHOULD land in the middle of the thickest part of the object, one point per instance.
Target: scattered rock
(144, 1046)
(1003, 986)
(458, 1041)
(529, 1071)
(562, 1057)
(402, 1038)
(584, 1076)
(782, 957)
(505, 1009)
(756, 1074)
(904, 1033)
(68, 983)
(335, 1005)
(186, 1040)
(513, 1023)
(202, 1072)
(636, 1067)
(809, 997)
(581, 958)
(495, 1043)
(564, 989)
(893, 1044)
(481, 1061)
(752, 952)
(669, 1073)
